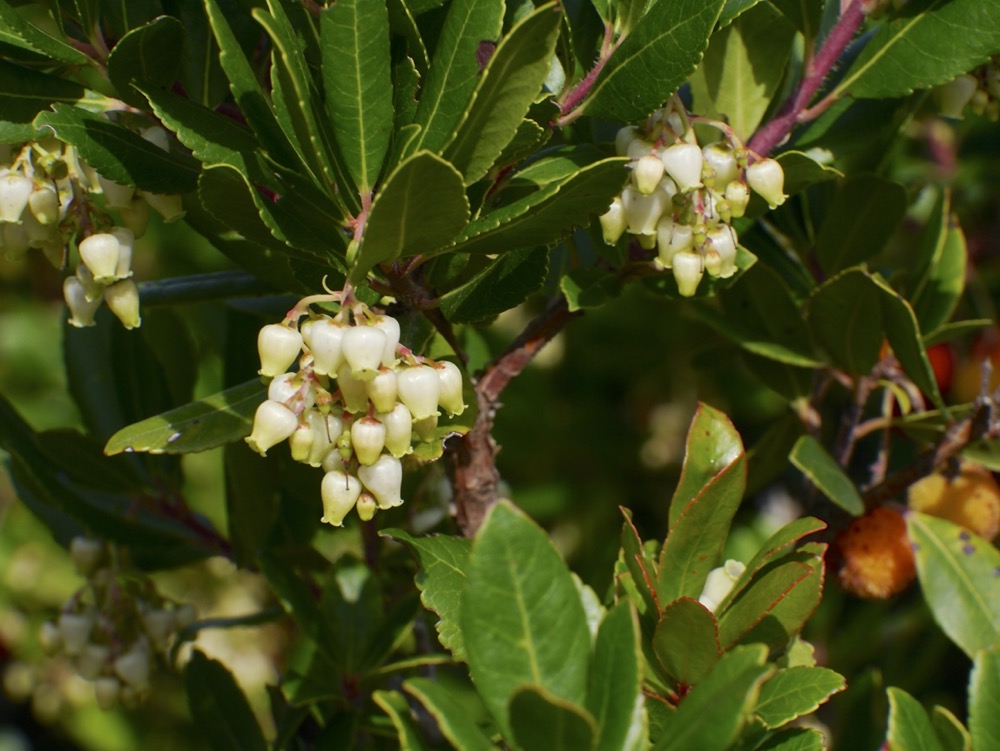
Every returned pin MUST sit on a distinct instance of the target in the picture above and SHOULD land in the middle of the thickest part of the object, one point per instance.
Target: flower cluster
(977, 91)
(48, 201)
(115, 626)
(682, 197)
(355, 405)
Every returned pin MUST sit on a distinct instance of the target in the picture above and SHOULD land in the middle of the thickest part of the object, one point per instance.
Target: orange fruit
(877, 556)
(970, 498)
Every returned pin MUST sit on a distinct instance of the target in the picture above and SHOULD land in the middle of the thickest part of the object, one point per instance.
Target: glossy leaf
(950, 731)
(845, 317)
(25, 92)
(502, 285)
(589, 287)
(669, 39)
(712, 714)
(862, 217)
(219, 707)
(686, 641)
(148, 55)
(455, 69)
(795, 739)
(207, 423)
(544, 216)
(910, 728)
(823, 472)
(743, 66)
(507, 87)
(420, 208)
(19, 32)
(543, 722)
(733, 9)
(200, 73)
(441, 581)
(118, 153)
(395, 705)
(640, 565)
(358, 85)
(931, 43)
(802, 171)
(456, 709)
(939, 280)
(795, 692)
(957, 572)
(521, 618)
(615, 698)
(984, 698)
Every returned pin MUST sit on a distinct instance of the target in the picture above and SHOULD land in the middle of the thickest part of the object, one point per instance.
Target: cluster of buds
(49, 200)
(115, 627)
(682, 197)
(356, 404)
(978, 91)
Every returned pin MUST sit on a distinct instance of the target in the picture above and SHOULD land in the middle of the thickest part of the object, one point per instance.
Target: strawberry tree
(539, 375)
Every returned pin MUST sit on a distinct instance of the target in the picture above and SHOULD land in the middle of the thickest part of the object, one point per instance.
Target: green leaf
(802, 171)
(864, 214)
(421, 207)
(743, 66)
(589, 287)
(733, 8)
(441, 581)
(201, 75)
(455, 69)
(543, 722)
(118, 153)
(845, 317)
(640, 565)
(930, 43)
(204, 424)
(253, 501)
(711, 715)
(686, 641)
(25, 92)
(394, 704)
(795, 739)
(457, 711)
(955, 330)
(823, 471)
(796, 692)
(21, 33)
(910, 728)
(522, 619)
(219, 707)
(713, 446)
(950, 731)
(669, 39)
(503, 284)
(958, 575)
(984, 697)
(358, 84)
(939, 281)
(615, 696)
(545, 215)
(146, 55)
(297, 600)
(507, 87)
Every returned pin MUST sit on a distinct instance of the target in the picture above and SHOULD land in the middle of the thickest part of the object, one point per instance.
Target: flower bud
(368, 439)
(723, 241)
(300, 442)
(398, 430)
(643, 212)
(126, 241)
(419, 389)
(366, 507)
(115, 196)
(390, 327)
(272, 423)
(15, 189)
(44, 205)
(722, 161)
(382, 390)
(50, 638)
(647, 173)
(123, 300)
(384, 479)
(278, 346)
(955, 95)
(613, 222)
(450, 378)
(171, 207)
(81, 310)
(364, 347)
(75, 631)
(340, 493)
(133, 668)
(100, 254)
(107, 690)
(92, 659)
(766, 178)
(720, 582)
(683, 162)
(353, 391)
(737, 196)
(324, 337)
(86, 554)
(687, 268)
(426, 429)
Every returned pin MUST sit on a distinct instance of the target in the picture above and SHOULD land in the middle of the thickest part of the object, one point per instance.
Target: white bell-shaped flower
(133, 667)
(159, 624)
(955, 95)
(126, 243)
(157, 136)
(364, 347)
(15, 189)
(643, 212)
(368, 439)
(390, 327)
(324, 337)
(115, 196)
(720, 582)
(638, 148)
(382, 390)
(723, 242)
(333, 461)
(766, 178)
(123, 300)
(171, 207)
(647, 173)
(44, 204)
(75, 630)
(688, 270)
(419, 389)
(398, 430)
(737, 195)
(100, 253)
(683, 162)
(278, 346)
(384, 480)
(284, 388)
(721, 158)
(135, 216)
(340, 492)
(353, 391)
(613, 222)
(366, 507)
(86, 554)
(92, 659)
(300, 442)
(81, 310)
(272, 423)
(326, 429)
(625, 137)
(451, 387)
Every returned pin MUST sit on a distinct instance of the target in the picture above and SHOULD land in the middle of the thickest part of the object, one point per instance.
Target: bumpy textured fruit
(877, 556)
(970, 498)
